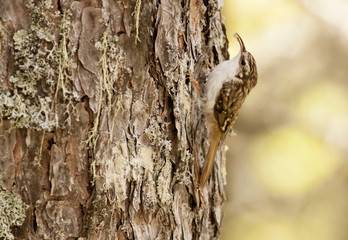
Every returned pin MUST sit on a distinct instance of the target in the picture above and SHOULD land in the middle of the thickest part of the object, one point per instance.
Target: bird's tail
(210, 159)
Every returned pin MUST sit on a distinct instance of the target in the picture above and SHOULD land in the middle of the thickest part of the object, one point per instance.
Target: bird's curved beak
(241, 44)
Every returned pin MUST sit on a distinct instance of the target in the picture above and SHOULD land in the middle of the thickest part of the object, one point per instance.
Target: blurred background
(287, 167)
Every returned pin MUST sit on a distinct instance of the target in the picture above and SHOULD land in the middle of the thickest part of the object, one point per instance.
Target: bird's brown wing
(228, 103)
(226, 109)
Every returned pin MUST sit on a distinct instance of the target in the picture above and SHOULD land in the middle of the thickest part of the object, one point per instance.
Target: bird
(226, 88)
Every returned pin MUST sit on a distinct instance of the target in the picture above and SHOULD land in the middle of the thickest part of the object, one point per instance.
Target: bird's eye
(243, 62)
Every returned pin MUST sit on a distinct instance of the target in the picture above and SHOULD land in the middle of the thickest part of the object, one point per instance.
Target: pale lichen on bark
(82, 79)
(44, 67)
(12, 212)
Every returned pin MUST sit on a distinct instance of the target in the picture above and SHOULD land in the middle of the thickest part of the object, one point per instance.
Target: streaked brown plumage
(226, 89)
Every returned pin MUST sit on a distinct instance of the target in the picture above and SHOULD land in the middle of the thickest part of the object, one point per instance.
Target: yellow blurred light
(258, 226)
(261, 226)
(256, 16)
(323, 109)
(272, 230)
(251, 14)
(291, 162)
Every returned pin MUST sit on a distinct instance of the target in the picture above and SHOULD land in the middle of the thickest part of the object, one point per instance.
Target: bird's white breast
(222, 73)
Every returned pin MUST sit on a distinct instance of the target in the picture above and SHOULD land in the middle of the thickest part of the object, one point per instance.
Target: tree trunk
(102, 131)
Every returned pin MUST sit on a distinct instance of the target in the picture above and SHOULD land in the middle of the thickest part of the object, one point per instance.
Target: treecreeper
(226, 88)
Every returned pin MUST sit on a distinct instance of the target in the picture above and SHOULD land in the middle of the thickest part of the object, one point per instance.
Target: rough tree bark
(102, 131)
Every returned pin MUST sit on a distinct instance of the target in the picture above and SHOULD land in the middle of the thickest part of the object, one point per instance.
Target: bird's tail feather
(210, 159)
